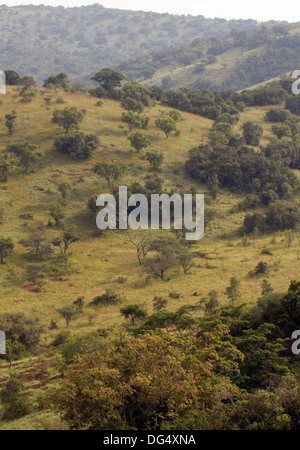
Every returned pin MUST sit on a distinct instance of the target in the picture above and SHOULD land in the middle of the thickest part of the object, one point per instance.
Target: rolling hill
(237, 61)
(39, 289)
(40, 40)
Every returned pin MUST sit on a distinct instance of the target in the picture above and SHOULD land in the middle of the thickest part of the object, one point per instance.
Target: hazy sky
(228, 9)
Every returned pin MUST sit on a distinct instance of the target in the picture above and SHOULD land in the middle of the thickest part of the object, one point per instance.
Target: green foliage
(133, 312)
(233, 291)
(21, 329)
(69, 313)
(27, 95)
(131, 104)
(57, 214)
(10, 122)
(283, 215)
(133, 120)
(68, 118)
(6, 248)
(69, 237)
(159, 303)
(252, 133)
(155, 160)
(109, 298)
(243, 169)
(12, 78)
(282, 130)
(139, 141)
(111, 172)
(15, 403)
(77, 145)
(60, 80)
(167, 125)
(26, 154)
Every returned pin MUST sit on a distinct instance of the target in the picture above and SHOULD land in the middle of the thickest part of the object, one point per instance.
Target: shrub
(109, 298)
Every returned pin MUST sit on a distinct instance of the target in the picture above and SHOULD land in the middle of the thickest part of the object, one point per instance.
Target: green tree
(213, 186)
(167, 125)
(60, 80)
(12, 78)
(10, 122)
(281, 130)
(252, 133)
(69, 313)
(67, 118)
(26, 154)
(110, 172)
(159, 303)
(64, 242)
(64, 188)
(165, 257)
(139, 141)
(14, 401)
(133, 120)
(14, 351)
(6, 248)
(131, 104)
(133, 312)
(155, 160)
(57, 214)
(233, 291)
(77, 145)
(109, 79)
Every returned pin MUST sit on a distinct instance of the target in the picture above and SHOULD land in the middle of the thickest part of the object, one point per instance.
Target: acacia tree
(111, 172)
(165, 257)
(140, 240)
(133, 312)
(38, 245)
(64, 242)
(67, 118)
(69, 313)
(139, 141)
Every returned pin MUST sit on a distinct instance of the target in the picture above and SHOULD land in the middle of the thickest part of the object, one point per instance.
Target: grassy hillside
(41, 40)
(99, 261)
(238, 61)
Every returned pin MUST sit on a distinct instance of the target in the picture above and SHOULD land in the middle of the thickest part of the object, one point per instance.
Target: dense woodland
(39, 39)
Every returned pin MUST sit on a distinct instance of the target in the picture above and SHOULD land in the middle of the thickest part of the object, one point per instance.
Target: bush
(109, 298)
(77, 145)
(15, 403)
(283, 215)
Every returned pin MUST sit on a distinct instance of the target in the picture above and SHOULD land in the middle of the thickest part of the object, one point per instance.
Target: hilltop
(43, 39)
